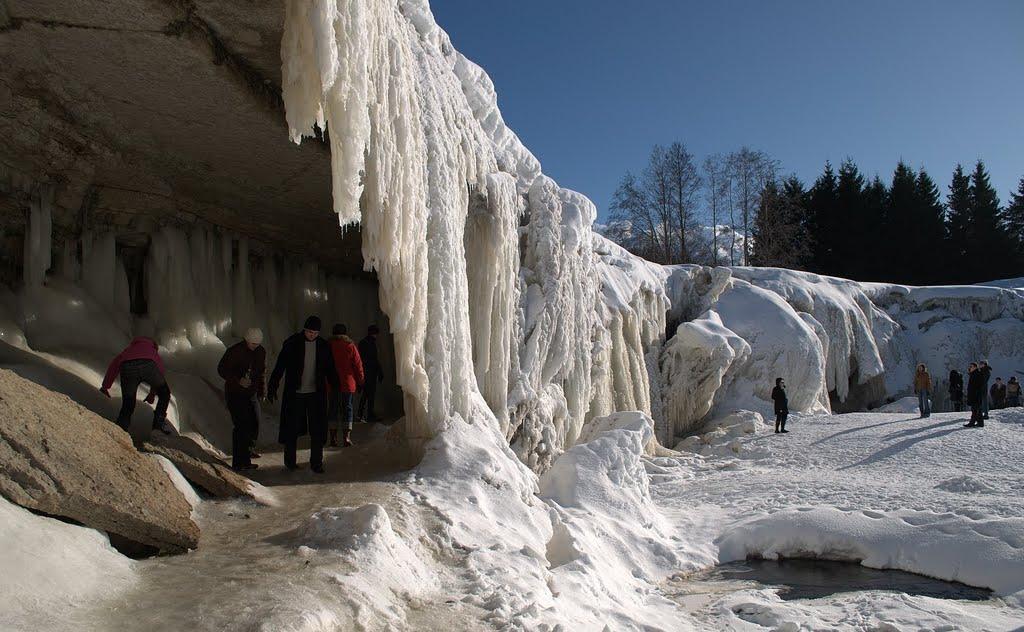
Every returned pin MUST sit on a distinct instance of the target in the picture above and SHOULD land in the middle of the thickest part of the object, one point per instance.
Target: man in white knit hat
(243, 366)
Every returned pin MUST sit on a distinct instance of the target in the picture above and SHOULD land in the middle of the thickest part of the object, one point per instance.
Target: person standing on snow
(243, 366)
(975, 395)
(781, 405)
(139, 363)
(306, 363)
(1013, 393)
(956, 390)
(986, 374)
(923, 388)
(349, 365)
(998, 393)
(373, 373)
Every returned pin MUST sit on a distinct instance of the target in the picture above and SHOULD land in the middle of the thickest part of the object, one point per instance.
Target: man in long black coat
(373, 374)
(781, 405)
(975, 395)
(307, 365)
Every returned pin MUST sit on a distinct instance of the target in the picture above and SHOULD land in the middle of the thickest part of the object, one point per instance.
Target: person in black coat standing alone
(372, 373)
(975, 395)
(781, 405)
(307, 365)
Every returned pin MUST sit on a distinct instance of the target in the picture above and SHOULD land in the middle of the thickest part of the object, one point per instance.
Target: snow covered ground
(888, 490)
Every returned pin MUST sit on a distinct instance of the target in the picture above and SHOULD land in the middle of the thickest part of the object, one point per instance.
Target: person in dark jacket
(975, 395)
(139, 363)
(243, 366)
(372, 371)
(306, 363)
(349, 365)
(1013, 393)
(998, 393)
(986, 374)
(923, 389)
(956, 390)
(781, 405)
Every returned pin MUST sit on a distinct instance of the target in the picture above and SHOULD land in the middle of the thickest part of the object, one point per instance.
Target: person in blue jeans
(923, 388)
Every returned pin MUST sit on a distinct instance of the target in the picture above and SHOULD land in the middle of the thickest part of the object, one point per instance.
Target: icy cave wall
(195, 289)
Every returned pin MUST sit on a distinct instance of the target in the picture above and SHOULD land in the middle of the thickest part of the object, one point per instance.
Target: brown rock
(61, 459)
(201, 468)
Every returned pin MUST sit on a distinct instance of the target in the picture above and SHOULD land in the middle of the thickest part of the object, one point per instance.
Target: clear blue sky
(591, 85)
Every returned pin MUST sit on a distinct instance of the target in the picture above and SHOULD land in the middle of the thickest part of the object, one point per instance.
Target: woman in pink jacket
(139, 363)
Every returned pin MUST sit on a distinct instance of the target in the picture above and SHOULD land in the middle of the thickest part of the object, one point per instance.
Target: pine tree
(988, 245)
(958, 225)
(899, 255)
(851, 230)
(930, 218)
(875, 247)
(1013, 220)
(779, 235)
(821, 207)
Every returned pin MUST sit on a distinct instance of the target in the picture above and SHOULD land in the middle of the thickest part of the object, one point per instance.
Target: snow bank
(694, 364)
(609, 544)
(49, 566)
(983, 552)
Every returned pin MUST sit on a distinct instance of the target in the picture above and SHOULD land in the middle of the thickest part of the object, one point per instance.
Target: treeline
(905, 230)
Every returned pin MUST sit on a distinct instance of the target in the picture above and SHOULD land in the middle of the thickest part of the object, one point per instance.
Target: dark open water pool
(811, 579)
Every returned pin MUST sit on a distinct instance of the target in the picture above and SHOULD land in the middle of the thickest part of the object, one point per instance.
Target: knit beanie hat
(254, 336)
(313, 323)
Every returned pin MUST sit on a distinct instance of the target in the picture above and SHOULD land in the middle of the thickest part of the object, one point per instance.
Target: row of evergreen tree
(904, 231)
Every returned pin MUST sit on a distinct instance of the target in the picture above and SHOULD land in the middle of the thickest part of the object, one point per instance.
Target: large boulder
(199, 467)
(60, 459)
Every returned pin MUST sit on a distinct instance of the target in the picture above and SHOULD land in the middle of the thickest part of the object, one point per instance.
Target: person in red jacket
(139, 363)
(350, 375)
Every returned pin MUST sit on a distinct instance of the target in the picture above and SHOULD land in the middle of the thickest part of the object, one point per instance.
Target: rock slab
(60, 459)
(199, 467)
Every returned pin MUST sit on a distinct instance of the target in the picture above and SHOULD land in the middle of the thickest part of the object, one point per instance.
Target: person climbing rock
(781, 405)
(139, 363)
(956, 390)
(349, 365)
(975, 395)
(306, 363)
(923, 388)
(243, 367)
(373, 373)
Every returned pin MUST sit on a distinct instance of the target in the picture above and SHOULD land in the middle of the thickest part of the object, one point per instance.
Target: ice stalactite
(492, 255)
(562, 287)
(404, 146)
(632, 310)
(102, 273)
(38, 237)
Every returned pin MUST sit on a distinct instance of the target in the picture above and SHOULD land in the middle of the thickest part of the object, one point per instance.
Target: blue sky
(591, 85)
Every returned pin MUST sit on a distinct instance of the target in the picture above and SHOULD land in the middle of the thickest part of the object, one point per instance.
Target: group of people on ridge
(979, 396)
(320, 380)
